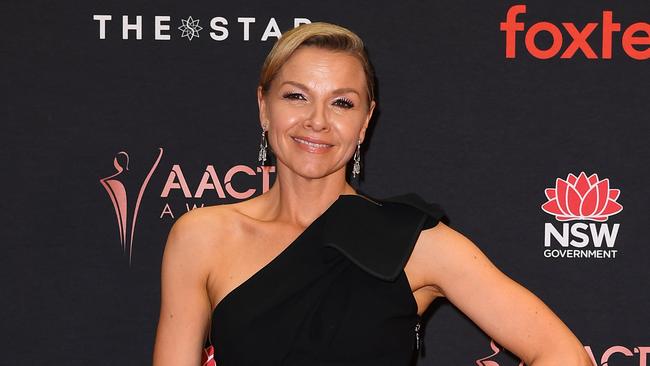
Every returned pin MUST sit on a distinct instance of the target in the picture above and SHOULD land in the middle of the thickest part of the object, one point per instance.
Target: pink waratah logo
(582, 198)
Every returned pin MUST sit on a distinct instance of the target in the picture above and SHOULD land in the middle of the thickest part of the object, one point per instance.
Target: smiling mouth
(311, 144)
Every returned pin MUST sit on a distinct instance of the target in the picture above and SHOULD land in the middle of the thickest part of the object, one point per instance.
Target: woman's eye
(296, 96)
(343, 102)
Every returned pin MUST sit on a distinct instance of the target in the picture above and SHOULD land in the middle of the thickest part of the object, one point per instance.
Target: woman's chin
(309, 171)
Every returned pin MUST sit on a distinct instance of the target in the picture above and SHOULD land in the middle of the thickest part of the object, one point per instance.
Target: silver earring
(263, 144)
(356, 169)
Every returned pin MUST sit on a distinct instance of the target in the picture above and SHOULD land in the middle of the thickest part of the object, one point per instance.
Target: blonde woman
(313, 272)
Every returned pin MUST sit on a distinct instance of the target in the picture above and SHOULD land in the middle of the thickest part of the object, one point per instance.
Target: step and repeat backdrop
(527, 121)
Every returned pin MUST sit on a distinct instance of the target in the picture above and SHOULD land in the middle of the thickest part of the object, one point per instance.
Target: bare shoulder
(445, 241)
(441, 243)
(202, 222)
(197, 236)
(441, 251)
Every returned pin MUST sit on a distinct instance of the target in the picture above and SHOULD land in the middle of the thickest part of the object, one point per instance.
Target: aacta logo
(190, 28)
(638, 355)
(635, 39)
(589, 201)
(127, 184)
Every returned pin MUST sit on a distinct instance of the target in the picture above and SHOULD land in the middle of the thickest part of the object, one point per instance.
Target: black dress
(337, 295)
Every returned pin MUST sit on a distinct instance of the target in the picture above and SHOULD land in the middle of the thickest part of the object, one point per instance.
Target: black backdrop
(459, 123)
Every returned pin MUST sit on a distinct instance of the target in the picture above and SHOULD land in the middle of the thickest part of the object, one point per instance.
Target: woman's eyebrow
(297, 84)
(346, 90)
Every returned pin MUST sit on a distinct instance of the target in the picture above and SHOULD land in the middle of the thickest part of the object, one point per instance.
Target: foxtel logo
(635, 39)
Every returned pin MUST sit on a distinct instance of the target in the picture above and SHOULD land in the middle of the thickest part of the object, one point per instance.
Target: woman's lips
(312, 146)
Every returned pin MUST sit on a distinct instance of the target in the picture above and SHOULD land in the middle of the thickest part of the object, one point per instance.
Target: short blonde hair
(322, 35)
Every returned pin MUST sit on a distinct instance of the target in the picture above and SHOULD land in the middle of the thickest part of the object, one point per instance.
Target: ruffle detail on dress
(379, 235)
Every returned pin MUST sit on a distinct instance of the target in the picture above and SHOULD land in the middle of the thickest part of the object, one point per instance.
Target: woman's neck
(300, 200)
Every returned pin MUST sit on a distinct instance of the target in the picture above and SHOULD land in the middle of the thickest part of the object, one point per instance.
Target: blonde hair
(321, 35)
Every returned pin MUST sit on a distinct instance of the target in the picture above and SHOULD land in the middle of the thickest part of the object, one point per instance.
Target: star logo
(190, 28)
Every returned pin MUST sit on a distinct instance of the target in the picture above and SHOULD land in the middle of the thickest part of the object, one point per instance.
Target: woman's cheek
(290, 114)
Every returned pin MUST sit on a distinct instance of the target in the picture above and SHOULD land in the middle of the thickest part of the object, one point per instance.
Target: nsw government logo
(582, 206)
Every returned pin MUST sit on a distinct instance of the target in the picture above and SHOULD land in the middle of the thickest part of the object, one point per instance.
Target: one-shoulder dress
(337, 295)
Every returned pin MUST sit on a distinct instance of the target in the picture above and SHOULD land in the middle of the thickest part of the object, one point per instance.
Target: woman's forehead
(318, 66)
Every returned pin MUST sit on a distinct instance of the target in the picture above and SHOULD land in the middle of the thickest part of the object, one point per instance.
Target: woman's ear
(367, 121)
(261, 104)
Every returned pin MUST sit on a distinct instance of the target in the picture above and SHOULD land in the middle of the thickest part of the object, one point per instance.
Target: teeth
(311, 143)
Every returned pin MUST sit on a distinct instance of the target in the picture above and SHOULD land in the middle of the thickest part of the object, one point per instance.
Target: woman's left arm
(509, 313)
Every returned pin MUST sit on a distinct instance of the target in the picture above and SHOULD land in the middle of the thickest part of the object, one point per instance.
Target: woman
(313, 272)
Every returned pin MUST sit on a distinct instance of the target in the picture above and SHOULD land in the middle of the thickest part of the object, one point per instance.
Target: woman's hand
(505, 310)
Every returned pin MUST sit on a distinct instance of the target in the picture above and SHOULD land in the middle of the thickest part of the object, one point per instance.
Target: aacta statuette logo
(635, 39)
(121, 196)
(495, 358)
(589, 201)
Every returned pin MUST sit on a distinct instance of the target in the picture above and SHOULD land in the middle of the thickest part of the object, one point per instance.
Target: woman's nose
(317, 119)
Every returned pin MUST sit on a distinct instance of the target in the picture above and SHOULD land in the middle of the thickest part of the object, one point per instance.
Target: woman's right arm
(185, 306)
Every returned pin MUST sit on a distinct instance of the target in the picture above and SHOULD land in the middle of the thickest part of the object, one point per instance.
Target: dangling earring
(356, 169)
(263, 144)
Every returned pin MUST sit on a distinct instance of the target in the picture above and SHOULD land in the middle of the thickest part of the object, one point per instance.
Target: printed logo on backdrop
(582, 206)
(121, 197)
(635, 356)
(497, 358)
(181, 191)
(166, 28)
(633, 38)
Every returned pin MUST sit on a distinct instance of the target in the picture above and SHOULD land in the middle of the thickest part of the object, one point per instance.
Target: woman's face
(320, 96)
